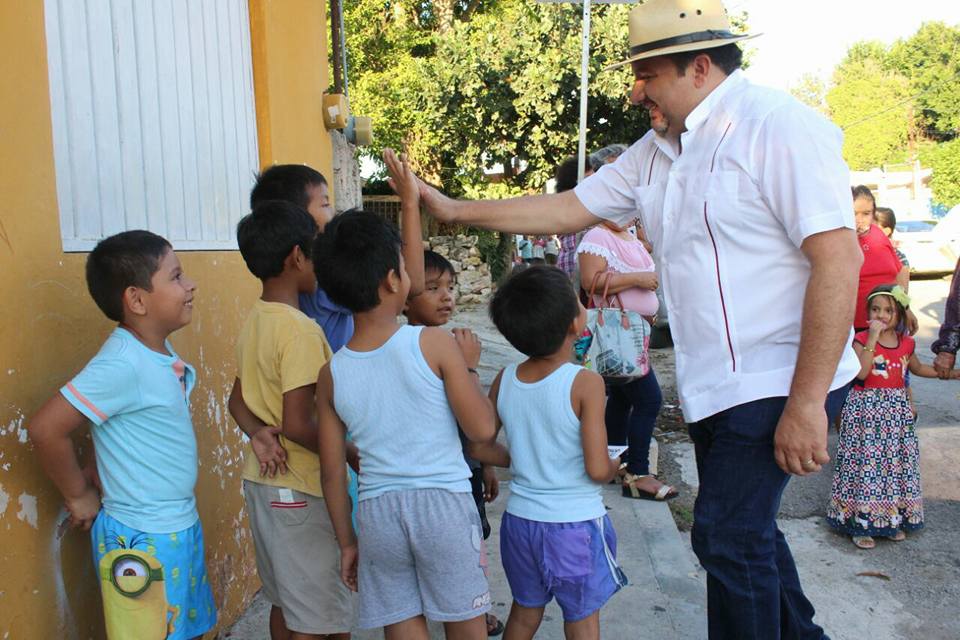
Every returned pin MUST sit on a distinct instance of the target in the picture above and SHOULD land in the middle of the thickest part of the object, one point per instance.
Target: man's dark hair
(285, 182)
(863, 191)
(885, 217)
(433, 261)
(534, 309)
(729, 58)
(269, 233)
(353, 255)
(567, 173)
(128, 259)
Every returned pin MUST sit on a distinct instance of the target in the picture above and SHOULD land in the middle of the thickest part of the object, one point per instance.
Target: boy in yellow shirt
(280, 352)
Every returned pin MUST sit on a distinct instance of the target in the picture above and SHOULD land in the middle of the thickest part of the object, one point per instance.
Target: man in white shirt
(745, 196)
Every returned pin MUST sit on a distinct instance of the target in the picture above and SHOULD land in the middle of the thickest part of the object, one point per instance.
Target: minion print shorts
(154, 585)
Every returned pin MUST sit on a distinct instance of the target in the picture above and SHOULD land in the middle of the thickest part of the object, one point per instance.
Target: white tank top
(550, 482)
(396, 411)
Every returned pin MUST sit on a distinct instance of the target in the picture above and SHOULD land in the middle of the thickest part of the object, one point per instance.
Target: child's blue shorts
(154, 585)
(574, 562)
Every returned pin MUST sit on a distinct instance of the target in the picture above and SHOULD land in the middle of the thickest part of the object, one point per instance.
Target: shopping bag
(615, 342)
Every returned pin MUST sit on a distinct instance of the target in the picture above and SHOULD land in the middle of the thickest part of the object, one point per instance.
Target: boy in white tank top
(556, 540)
(434, 307)
(400, 392)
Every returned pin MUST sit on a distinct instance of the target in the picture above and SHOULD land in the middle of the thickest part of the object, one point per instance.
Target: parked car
(931, 246)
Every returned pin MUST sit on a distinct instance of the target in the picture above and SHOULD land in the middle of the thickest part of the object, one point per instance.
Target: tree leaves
(901, 101)
(498, 83)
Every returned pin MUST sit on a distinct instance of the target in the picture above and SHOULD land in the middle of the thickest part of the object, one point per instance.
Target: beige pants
(298, 559)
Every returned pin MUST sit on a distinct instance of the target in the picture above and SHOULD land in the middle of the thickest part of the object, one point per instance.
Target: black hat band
(699, 36)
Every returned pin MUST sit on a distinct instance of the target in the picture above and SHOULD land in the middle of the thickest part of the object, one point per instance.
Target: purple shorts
(574, 562)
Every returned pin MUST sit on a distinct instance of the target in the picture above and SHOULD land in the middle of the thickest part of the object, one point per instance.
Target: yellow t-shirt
(280, 349)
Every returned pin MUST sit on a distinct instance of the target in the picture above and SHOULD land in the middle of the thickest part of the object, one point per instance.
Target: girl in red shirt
(876, 484)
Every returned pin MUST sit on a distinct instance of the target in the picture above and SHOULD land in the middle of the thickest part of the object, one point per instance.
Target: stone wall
(474, 284)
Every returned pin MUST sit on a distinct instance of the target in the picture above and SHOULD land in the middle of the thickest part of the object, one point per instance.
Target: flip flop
(899, 536)
(497, 628)
(629, 490)
(863, 542)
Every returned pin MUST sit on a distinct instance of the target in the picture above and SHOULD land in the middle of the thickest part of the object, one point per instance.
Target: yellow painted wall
(290, 73)
(49, 327)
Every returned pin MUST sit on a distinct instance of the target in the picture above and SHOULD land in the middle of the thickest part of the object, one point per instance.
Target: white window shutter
(153, 119)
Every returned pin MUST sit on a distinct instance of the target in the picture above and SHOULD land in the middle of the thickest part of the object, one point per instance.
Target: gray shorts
(298, 559)
(421, 553)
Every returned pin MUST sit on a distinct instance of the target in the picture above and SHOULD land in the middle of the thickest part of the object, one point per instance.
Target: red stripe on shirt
(85, 402)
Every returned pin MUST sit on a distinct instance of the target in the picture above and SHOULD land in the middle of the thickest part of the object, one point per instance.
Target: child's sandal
(863, 542)
(899, 536)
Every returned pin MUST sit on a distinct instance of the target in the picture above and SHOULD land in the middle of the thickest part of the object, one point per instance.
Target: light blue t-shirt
(526, 249)
(406, 432)
(550, 481)
(137, 400)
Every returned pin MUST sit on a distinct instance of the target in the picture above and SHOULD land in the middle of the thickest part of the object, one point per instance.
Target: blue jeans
(631, 414)
(753, 590)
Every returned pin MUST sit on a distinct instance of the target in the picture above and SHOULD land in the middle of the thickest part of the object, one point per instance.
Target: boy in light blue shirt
(146, 533)
(556, 540)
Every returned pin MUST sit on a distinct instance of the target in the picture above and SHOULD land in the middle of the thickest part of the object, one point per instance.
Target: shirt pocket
(716, 189)
(290, 508)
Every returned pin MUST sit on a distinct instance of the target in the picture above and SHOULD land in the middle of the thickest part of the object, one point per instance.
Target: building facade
(114, 115)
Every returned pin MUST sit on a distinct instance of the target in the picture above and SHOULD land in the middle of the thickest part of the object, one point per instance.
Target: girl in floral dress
(876, 485)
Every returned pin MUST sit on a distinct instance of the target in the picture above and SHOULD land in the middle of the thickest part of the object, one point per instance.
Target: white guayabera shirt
(759, 172)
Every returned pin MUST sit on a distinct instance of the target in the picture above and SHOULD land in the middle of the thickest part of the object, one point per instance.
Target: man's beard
(659, 124)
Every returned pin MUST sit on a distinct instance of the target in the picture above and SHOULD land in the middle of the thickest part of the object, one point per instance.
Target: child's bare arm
(490, 452)
(298, 416)
(263, 438)
(924, 370)
(866, 352)
(588, 397)
(331, 442)
(50, 432)
(404, 182)
(472, 409)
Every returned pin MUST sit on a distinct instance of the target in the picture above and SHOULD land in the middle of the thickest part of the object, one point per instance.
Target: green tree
(812, 91)
(465, 86)
(872, 105)
(945, 181)
(930, 59)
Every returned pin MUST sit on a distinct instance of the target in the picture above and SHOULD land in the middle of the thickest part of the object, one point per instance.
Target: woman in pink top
(632, 407)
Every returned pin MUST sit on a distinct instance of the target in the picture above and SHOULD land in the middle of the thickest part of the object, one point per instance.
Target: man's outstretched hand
(403, 178)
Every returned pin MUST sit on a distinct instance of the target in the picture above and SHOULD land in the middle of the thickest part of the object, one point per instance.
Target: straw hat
(661, 27)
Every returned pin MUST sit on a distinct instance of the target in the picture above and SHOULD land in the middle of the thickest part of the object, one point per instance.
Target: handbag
(615, 342)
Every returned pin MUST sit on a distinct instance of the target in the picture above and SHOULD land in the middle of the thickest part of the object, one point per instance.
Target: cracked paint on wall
(28, 509)
(4, 501)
